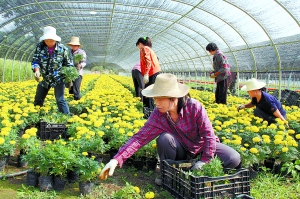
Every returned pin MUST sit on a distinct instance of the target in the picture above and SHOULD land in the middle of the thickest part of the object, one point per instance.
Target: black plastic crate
(184, 186)
(49, 131)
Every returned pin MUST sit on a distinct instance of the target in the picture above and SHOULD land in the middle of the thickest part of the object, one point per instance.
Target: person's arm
(36, 60)
(147, 57)
(278, 115)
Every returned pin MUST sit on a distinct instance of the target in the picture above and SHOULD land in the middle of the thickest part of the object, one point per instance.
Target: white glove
(146, 78)
(37, 75)
(109, 169)
(240, 107)
(198, 165)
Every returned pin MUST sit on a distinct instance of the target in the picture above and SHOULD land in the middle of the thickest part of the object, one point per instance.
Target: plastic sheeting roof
(255, 35)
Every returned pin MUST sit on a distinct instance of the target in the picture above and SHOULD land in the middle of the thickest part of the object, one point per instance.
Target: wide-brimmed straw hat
(166, 85)
(50, 33)
(253, 84)
(74, 42)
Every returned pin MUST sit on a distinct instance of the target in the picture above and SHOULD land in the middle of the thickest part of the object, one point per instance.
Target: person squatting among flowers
(267, 106)
(182, 126)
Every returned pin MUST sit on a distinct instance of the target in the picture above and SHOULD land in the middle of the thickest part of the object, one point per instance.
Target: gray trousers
(168, 147)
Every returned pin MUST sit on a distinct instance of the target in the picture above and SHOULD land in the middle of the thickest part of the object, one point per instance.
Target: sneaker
(158, 181)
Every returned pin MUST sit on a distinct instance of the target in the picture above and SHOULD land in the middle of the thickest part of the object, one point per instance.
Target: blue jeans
(59, 91)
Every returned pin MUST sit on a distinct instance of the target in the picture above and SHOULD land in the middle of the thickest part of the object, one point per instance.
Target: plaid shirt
(50, 65)
(221, 65)
(193, 130)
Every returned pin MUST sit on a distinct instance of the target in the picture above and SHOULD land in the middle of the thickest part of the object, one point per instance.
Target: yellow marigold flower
(121, 130)
(266, 140)
(12, 142)
(273, 126)
(149, 195)
(48, 142)
(107, 127)
(288, 138)
(256, 139)
(265, 122)
(282, 127)
(218, 128)
(254, 129)
(241, 130)
(84, 153)
(129, 134)
(243, 149)
(246, 145)
(101, 133)
(237, 142)
(284, 149)
(136, 189)
(265, 137)
(291, 131)
(277, 141)
(2, 140)
(135, 175)
(154, 146)
(253, 150)
(298, 136)
(25, 136)
(278, 137)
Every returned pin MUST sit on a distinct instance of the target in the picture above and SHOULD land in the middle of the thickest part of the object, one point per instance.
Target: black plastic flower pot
(2, 163)
(46, 183)
(72, 176)
(85, 188)
(59, 183)
(151, 163)
(138, 164)
(32, 178)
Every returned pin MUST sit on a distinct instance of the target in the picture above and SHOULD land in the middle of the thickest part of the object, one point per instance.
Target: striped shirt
(192, 129)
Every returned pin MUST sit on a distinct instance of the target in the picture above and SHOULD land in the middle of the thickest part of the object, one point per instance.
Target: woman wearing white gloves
(267, 106)
(182, 126)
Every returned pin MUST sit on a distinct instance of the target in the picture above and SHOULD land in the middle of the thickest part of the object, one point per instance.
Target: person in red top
(149, 65)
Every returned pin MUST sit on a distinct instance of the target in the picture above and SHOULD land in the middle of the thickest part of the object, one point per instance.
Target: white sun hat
(253, 84)
(50, 33)
(74, 42)
(166, 85)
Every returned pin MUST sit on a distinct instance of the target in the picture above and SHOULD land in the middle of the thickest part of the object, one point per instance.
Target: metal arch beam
(271, 40)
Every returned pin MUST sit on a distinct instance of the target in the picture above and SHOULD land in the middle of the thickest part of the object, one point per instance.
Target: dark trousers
(168, 147)
(149, 102)
(138, 83)
(59, 91)
(268, 117)
(75, 89)
(221, 92)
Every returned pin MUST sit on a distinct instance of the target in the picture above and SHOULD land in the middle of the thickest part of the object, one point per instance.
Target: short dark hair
(144, 40)
(211, 47)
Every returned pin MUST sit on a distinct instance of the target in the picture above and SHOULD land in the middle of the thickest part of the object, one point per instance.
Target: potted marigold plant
(88, 171)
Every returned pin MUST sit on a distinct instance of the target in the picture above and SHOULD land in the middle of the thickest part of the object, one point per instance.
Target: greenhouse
(63, 114)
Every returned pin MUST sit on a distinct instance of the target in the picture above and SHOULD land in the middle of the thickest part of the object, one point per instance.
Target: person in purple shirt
(267, 106)
(182, 126)
(221, 73)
